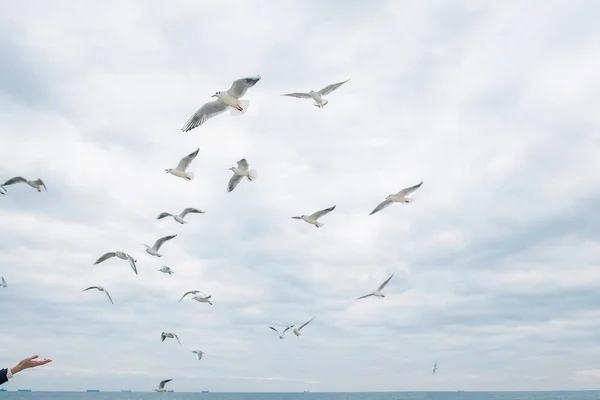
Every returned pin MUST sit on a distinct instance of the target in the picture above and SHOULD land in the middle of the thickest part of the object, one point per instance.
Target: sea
(558, 395)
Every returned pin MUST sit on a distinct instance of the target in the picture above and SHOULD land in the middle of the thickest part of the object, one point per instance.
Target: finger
(29, 358)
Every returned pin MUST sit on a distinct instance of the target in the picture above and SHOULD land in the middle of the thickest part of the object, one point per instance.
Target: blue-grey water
(566, 395)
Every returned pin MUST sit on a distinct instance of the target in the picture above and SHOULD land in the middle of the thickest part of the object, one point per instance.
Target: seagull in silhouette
(100, 289)
(179, 218)
(281, 334)
(120, 254)
(199, 353)
(229, 100)
(153, 251)
(239, 172)
(167, 270)
(312, 219)
(38, 184)
(317, 96)
(184, 163)
(378, 293)
(170, 335)
(400, 197)
(434, 368)
(161, 385)
(297, 330)
(2, 282)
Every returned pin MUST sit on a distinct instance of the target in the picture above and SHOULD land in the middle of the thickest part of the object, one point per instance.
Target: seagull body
(37, 184)
(170, 335)
(179, 218)
(281, 334)
(122, 255)
(100, 289)
(190, 292)
(153, 251)
(199, 353)
(184, 163)
(167, 270)
(317, 96)
(378, 292)
(203, 299)
(239, 172)
(161, 385)
(2, 282)
(297, 330)
(312, 219)
(434, 368)
(400, 197)
(229, 100)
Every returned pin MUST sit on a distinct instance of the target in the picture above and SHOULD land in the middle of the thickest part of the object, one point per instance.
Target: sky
(493, 105)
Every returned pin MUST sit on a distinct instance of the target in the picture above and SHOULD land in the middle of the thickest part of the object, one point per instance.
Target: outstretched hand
(29, 362)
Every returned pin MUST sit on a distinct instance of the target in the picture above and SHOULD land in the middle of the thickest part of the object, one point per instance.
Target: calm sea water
(579, 395)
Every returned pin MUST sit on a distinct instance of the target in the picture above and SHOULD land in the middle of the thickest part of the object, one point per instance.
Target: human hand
(29, 362)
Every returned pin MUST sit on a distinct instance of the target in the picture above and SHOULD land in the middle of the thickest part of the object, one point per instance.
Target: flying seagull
(179, 218)
(190, 292)
(399, 197)
(199, 353)
(225, 100)
(184, 163)
(281, 334)
(2, 282)
(153, 251)
(318, 96)
(203, 299)
(434, 368)
(100, 289)
(167, 270)
(37, 184)
(239, 172)
(122, 255)
(312, 219)
(378, 293)
(161, 385)
(297, 330)
(1, 192)
(170, 335)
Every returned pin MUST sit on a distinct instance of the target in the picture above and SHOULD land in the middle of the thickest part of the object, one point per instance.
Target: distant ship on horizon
(23, 390)
(92, 390)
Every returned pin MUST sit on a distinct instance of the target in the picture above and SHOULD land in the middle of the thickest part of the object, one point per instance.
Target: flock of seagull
(230, 100)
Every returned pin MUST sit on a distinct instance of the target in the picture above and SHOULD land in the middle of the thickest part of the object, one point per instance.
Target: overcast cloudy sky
(493, 105)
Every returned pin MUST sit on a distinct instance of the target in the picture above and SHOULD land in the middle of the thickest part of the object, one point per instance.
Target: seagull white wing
(365, 296)
(330, 88)
(409, 190)
(240, 87)
(3, 282)
(162, 240)
(385, 283)
(39, 182)
(381, 206)
(306, 323)
(274, 329)
(243, 164)
(319, 214)
(204, 113)
(92, 287)
(16, 179)
(185, 162)
(190, 292)
(190, 210)
(164, 215)
(163, 383)
(298, 95)
(105, 257)
(108, 294)
(233, 182)
(131, 263)
(177, 337)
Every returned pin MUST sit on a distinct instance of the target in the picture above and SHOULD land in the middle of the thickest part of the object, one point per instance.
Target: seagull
(167, 270)
(190, 292)
(225, 100)
(179, 218)
(297, 330)
(312, 219)
(399, 197)
(320, 102)
(1, 192)
(184, 163)
(239, 172)
(122, 255)
(161, 385)
(37, 184)
(2, 282)
(434, 368)
(201, 299)
(100, 289)
(200, 353)
(281, 335)
(171, 335)
(153, 251)
(378, 293)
